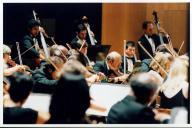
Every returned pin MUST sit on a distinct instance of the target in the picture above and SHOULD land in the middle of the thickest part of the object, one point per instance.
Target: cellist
(31, 43)
(150, 40)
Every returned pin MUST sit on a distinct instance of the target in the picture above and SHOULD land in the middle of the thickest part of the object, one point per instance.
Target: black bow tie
(129, 57)
(149, 36)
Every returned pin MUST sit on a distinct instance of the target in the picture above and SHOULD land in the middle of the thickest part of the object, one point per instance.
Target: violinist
(9, 66)
(31, 42)
(45, 78)
(130, 57)
(150, 40)
(60, 51)
(110, 67)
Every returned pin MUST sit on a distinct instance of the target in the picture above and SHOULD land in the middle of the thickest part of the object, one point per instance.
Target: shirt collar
(107, 65)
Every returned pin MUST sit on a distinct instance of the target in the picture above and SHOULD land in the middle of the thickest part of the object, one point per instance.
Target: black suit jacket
(43, 81)
(122, 64)
(146, 44)
(101, 66)
(25, 45)
(75, 44)
(128, 111)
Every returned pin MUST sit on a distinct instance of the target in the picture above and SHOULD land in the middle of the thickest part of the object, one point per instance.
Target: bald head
(113, 55)
(113, 60)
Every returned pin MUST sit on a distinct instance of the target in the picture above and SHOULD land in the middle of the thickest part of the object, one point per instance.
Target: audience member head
(74, 66)
(144, 86)
(20, 87)
(70, 99)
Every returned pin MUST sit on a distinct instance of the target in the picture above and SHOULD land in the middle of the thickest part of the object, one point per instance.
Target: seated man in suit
(150, 40)
(133, 108)
(130, 57)
(45, 78)
(110, 67)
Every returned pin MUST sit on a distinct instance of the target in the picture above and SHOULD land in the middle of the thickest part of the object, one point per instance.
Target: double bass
(156, 21)
(90, 33)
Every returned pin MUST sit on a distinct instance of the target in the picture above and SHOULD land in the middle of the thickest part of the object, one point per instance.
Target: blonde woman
(164, 59)
(174, 91)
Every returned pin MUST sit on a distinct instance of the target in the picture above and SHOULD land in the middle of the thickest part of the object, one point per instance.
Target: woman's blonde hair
(178, 72)
(163, 58)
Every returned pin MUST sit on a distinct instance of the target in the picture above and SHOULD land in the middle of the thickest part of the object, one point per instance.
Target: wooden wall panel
(123, 21)
(174, 19)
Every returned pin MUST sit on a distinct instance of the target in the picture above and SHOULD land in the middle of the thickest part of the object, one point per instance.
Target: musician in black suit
(31, 43)
(130, 57)
(112, 63)
(150, 40)
(81, 34)
(80, 44)
(110, 67)
(45, 78)
(133, 108)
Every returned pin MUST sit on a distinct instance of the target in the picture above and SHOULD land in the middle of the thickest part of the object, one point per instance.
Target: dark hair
(80, 28)
(144, 89)
(32, 23)
(77, 45)
(70, 99)
(21, 86)
(145, 23)
(130, 43)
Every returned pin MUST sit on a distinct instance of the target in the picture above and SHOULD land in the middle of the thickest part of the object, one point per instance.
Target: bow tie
(149, 36)
(129, 57)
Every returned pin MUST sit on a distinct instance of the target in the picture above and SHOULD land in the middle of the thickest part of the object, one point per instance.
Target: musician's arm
(33, 52)
(10, 71)
(98, 67)
(43, 81)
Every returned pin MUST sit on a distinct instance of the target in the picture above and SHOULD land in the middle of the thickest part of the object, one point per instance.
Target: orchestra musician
(31, 42)
(150, 40)
(110, 67)
(9, 69)
(79, 43)
(130, 57)
(45, 78)
(47, 72)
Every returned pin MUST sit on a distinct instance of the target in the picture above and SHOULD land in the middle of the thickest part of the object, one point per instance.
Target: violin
(11, 63)
(113, 75)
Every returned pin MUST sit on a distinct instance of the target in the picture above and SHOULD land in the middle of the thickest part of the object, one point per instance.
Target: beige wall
(123, 21)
